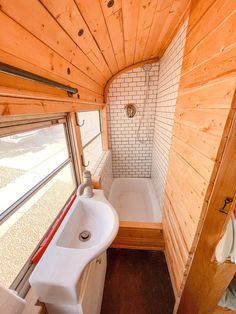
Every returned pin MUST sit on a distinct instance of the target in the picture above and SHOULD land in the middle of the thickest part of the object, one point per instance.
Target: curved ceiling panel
(84, 43)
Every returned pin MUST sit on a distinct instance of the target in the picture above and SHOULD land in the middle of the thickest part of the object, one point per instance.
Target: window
(90, 129)
(37, 178)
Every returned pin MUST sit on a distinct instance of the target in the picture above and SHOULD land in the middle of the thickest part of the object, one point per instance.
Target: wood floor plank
(137, 282)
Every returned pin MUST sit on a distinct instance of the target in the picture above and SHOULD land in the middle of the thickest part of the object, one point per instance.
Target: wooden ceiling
(83, 43)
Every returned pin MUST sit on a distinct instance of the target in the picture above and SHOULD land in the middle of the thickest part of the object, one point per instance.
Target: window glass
(21, 233)
(27, 158)
(93, 152)
(90, 121)
(90, 129)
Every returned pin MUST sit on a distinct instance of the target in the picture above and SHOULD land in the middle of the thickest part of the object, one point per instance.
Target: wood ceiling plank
(183, 20)
(68, 16)
(84, 93)
(169, 27)
(42, 25)
(110, 10)
(130, 11)
(162, 11)
(27, 47)
(93, 15)
(27, 66)
(146, 15)
(114, 22)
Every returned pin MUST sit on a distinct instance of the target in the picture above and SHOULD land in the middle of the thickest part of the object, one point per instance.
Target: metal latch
(228, 200)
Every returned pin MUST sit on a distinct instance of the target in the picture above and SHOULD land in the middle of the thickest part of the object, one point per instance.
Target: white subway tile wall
(168, 84)
(130, 158)
(104, 169)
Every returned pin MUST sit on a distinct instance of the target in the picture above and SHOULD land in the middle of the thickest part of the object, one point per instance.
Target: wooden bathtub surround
(204, 112)
(139, 235)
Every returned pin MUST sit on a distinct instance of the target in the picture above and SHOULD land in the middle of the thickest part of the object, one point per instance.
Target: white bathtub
(134, 200)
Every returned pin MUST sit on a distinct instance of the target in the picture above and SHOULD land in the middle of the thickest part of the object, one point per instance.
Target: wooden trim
(96, 182)
(126, 69)
(137, 224)
(139, 235)
(104, 123)
(78, 142)
(33, 305)
(13, 129)
(168, 262)
(27, 106)
(20, 93)
(216, 277)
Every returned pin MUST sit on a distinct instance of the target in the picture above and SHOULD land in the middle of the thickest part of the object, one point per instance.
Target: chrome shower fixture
(147, 67)
(130, 110)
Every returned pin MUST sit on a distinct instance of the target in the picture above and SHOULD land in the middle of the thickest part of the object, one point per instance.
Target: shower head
(147, 67)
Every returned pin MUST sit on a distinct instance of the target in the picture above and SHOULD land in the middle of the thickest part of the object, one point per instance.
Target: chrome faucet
(85, 188)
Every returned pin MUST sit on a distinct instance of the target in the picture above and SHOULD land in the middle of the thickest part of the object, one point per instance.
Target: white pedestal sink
(56, 277)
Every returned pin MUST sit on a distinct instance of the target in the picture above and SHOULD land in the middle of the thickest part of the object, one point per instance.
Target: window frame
(30, 126)
(29, 123)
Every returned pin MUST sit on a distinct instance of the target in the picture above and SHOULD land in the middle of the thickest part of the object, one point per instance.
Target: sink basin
(87, 230)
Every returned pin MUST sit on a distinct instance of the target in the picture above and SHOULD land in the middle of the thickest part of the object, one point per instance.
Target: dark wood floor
(137, 282)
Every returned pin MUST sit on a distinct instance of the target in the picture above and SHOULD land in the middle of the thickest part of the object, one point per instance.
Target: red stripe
(44, 244)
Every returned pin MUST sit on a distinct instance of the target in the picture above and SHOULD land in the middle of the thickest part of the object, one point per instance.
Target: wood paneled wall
(202, 119)
(84, 43)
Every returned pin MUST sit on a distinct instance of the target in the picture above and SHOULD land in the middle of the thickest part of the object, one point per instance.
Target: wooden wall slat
(207, 120)
(201, 141)
(201, 125)
(177, 231)
(221, 92)
(195, 158)
(220, 66)
(218, 10)
(212, 45)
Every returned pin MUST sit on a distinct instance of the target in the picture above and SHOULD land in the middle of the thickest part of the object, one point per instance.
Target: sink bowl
(88, 229)
(94, 217)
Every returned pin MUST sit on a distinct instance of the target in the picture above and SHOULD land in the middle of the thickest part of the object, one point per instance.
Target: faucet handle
(87, 175)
